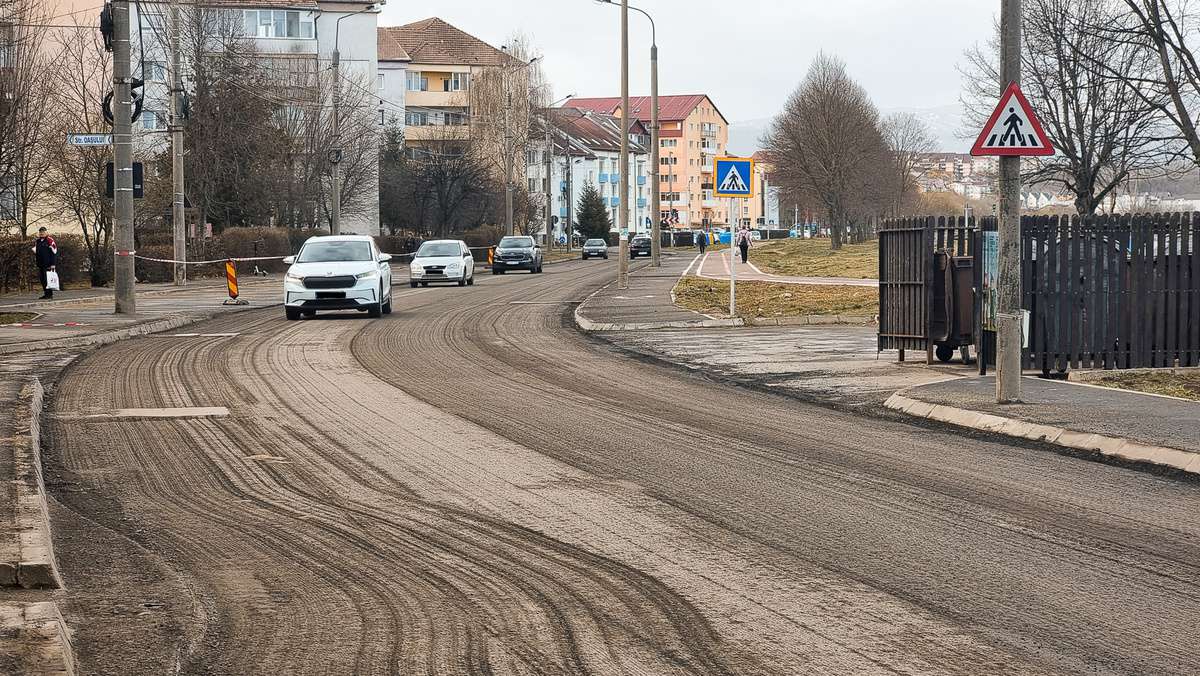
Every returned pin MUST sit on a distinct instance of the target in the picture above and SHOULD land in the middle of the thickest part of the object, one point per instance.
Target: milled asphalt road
(472, 486)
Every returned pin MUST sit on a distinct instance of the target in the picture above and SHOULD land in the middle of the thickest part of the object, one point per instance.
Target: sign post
(733, 178)
(1012, 132)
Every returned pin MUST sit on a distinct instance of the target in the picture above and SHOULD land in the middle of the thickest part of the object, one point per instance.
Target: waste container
(952, 317)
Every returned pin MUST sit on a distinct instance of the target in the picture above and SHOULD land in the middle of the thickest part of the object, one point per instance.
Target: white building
(295, 38)
(587, 149)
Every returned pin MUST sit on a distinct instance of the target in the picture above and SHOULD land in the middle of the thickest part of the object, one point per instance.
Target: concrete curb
(105, 337)
(29, 557)
(590, 326)
(1116, 447)
(38, 638)
(812, 320)
(74, 302)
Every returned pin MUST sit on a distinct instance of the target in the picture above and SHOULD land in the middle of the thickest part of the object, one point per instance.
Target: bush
(150, 271)
(18, 268)
(74, 264)
(254, 242)
(484, 235)
(391, 244)
(298, 236)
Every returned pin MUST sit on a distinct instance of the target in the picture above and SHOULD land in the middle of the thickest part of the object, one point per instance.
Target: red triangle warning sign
(1013, 129)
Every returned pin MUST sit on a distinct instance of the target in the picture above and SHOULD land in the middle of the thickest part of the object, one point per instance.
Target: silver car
(595, 247)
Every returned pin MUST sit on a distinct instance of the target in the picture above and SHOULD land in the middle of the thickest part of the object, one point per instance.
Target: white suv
(346, 272)
(442, 260)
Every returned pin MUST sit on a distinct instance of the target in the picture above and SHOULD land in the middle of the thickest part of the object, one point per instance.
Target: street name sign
(734, 177)
(89, 139)
(1013, 130)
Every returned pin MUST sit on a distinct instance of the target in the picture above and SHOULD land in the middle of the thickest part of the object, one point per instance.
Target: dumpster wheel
(944, 352)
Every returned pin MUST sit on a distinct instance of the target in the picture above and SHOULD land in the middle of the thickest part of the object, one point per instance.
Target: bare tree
(909, 139)
(827, 146)
(1078, 81)
(1165, 31)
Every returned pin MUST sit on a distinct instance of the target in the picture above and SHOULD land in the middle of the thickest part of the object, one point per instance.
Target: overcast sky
(747, 54)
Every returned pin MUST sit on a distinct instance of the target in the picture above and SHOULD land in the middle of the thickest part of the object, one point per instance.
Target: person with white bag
(46, 252)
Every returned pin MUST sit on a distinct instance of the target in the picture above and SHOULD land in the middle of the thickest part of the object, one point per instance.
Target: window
(154, 71)
(154, 20)
(154, 119)
(379, 82)
(266, 23)
(457, 82)
(668, 197)
(670, 143)
(533, 185)
(415, 82)
(455, 119)
(416, 119)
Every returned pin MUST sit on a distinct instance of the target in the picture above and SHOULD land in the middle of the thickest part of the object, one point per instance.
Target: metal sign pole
(732, 261)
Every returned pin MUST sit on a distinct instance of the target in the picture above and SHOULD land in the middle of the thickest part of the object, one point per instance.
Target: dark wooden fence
(1112, 291)
(906, 284)
(1104, 292)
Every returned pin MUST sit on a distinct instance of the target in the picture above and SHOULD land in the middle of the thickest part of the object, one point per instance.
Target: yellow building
(693, 132)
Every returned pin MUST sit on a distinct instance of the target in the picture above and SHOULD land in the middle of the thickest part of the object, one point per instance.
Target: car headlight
(415, 267)
(369, 274)
(452, 267)
(294, 279)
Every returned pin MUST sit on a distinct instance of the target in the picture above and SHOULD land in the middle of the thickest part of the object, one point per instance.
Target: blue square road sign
(734, 177)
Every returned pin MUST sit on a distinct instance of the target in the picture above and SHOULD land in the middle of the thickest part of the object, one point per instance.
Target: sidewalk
(647, 303)
(79, 317)
(715, 265)
(1119, 423)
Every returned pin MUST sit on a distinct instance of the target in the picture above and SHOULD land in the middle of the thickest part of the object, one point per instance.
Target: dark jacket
(46, 252)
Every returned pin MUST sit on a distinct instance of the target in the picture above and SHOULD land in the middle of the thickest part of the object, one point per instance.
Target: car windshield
(516, 242)
(595, 242)
(334, 252)
(434, 249)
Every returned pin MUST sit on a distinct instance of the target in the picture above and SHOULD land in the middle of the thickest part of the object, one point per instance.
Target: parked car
(345, 272)
(519, 252)
(639, 246)
(442, 260)
(595, 247)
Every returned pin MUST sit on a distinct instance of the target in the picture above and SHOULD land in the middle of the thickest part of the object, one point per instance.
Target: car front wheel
(293, 314)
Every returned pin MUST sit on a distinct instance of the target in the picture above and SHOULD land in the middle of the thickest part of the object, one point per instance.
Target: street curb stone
(1117, 447)
(36, 635)
(34, 564)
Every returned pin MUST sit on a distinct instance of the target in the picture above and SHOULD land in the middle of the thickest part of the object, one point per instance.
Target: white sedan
(346, 272)
(442, 260)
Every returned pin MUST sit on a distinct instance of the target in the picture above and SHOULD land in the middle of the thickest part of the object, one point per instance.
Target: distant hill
(945, 124)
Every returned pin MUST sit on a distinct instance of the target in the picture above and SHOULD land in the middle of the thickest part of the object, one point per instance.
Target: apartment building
(440, 65)
(294, 41)
(586, 149)
(693, 132)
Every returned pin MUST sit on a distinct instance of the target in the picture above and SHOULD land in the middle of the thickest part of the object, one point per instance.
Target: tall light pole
(509, 160)
(549, 161)
(177, 203)
(623, 234)
(123, 270)
(655, 203)
(1008, 301)
(335, 152)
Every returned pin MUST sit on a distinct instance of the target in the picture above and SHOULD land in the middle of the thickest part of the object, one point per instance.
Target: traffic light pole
(1009, 319)
(123, 251)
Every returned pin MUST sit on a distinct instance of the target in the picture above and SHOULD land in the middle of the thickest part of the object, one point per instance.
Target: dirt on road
(472, 486)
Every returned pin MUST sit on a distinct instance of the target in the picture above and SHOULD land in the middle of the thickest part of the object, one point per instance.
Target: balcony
(603, 178)
(438, 99)
(711, 203)
(614, 201)
(641, 180)
(616, 178)
(706, 168)
(562, 212)
(708, 149)
(641, 202)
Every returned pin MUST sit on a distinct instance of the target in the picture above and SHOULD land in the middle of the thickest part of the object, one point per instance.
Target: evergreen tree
(593, 216)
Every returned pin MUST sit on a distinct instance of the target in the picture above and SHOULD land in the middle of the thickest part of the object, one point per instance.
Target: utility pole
(1008, 311)
(177, 218)
(623, 249)
(508, 163)
(335, 153)
(655, 185)
(123, 251)
(549, 179)
(569, 163)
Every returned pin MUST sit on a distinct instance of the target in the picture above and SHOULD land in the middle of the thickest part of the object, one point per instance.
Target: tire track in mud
(309, 556)
(1017, 548)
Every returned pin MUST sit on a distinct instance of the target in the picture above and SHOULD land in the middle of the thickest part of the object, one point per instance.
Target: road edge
(1115, 447)
(39, 638)
(30, 563)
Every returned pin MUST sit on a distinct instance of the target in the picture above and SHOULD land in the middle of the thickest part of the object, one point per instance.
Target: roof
(669, 107)
(253, 4)
(388, 48)
(590, 132)
(434, 41)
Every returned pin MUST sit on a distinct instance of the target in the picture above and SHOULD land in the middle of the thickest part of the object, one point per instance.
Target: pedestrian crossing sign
(1013, 130)
(734, 177)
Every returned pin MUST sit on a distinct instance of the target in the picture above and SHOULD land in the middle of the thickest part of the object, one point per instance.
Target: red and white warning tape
(219, 260)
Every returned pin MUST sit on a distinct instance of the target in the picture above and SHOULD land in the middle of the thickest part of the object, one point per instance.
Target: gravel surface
(472, 486)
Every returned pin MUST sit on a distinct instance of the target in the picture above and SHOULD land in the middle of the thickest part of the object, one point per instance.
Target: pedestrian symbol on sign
(733, 181)
(1013, 129)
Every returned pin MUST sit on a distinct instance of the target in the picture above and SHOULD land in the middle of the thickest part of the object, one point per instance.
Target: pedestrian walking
(46, 253)
(702, 240)
(743, 243)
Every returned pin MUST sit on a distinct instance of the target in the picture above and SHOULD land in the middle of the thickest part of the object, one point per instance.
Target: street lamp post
(335, 153)
(549, 161)
(655, 204)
